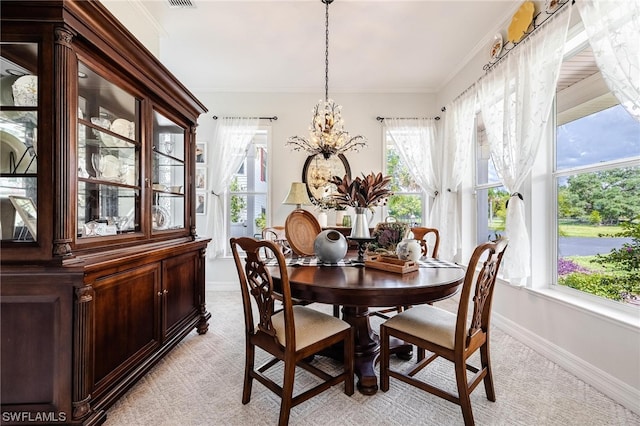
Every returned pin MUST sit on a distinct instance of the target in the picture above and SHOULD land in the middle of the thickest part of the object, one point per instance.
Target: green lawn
(587, 230)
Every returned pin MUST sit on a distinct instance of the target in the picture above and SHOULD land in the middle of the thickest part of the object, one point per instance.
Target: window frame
(262, 138)
(596, 302)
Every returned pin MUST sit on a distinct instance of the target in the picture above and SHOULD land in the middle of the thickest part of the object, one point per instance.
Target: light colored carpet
(200, 383)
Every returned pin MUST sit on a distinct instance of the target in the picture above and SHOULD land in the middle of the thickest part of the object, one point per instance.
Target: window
(247, 196)
(409, 201)
(491, 196)
(597, 181)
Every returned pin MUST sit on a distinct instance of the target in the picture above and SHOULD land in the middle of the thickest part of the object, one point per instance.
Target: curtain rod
(381, 119)
(274, 118)
(465, 91)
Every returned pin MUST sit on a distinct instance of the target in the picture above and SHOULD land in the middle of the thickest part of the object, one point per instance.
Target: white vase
(409, 249)
(322, 219)
(339, 217)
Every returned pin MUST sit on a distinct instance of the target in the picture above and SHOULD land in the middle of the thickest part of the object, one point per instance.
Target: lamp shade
(297, 195)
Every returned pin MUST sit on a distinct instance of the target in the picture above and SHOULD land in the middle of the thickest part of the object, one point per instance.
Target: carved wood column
(203, 322)
(65, 64)
(82, 351)
(192, 173)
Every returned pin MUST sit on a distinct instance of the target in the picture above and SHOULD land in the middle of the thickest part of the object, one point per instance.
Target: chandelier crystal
(326, 132)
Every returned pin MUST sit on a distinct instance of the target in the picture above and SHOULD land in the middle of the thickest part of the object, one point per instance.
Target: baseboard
(612, 387)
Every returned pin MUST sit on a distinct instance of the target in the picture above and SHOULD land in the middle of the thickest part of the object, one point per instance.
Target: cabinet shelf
(107, 182)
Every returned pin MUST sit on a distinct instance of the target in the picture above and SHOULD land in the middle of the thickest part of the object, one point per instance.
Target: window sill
(624, 315)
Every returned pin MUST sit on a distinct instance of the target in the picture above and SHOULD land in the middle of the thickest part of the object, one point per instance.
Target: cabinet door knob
(165, 291)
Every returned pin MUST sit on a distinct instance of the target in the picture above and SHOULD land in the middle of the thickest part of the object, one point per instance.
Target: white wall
(294, 112)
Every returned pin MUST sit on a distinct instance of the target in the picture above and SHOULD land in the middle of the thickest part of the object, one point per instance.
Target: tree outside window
(406, 205)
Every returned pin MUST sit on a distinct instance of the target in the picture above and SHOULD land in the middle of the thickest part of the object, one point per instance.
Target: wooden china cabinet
(101, 269)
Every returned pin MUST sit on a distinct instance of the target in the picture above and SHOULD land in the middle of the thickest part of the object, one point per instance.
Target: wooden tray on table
(391, 264)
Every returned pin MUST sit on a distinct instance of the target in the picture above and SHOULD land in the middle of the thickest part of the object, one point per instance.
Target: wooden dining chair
(423, 234)
(292, 335)
(448, 335)
(278, 236)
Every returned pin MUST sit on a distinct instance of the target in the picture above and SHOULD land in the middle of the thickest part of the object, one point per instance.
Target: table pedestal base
(367, 348)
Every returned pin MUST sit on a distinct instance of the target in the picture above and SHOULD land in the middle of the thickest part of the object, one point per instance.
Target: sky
(607, 135)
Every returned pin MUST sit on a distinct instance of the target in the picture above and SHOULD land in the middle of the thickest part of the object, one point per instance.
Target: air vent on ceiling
(183, 4)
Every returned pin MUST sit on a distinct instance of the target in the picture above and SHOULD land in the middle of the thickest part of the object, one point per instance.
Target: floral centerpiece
(361, 193)
(368, 191)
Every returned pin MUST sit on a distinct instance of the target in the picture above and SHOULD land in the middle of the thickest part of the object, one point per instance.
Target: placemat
(436, 263)
(313, 261)
(307, 261)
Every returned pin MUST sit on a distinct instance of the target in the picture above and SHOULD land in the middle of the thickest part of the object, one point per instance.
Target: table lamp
(297, 195)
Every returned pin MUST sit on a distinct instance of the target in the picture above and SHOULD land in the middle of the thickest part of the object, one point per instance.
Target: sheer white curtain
(515, 100)
(415, 139)
(459, 126)
(231, 140)
(613, 28)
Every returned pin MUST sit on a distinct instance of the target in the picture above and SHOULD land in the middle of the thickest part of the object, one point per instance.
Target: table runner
(313, 261)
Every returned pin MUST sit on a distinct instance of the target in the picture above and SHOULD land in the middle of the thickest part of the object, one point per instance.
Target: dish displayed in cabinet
(15, 156)
(123, 127)
(25, 91)
(160, 218)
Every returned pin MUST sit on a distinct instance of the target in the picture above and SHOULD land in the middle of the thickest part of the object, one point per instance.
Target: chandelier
(326, 132)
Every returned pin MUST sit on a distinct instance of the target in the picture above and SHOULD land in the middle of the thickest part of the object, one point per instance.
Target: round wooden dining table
(358, 288)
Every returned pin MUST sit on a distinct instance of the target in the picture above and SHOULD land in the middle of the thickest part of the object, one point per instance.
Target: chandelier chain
(327, 135)
(326, 53)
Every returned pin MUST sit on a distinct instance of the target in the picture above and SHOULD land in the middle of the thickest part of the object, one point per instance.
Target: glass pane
(610, 134)
(247, 214)
(168, 174)
(106, 107)
(599, 233)
(106, 209)
(401, 179)
(167, 211)
(406, 208)
(247, 199)
(491, 212)
(18, 141)
(485, 169)
(108, 157)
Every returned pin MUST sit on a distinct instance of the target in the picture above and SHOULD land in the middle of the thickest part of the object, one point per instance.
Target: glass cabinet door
(168, 174)
(18, 141)
(108, 157)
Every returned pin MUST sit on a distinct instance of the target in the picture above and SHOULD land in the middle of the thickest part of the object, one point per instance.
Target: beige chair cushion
(311, 326)
(428, 323)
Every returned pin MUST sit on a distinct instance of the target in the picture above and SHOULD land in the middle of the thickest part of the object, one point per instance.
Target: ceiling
(377, 46)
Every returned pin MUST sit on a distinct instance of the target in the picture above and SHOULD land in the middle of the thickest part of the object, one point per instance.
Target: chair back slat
(424, 236)
(478, 287)
(257, 284)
